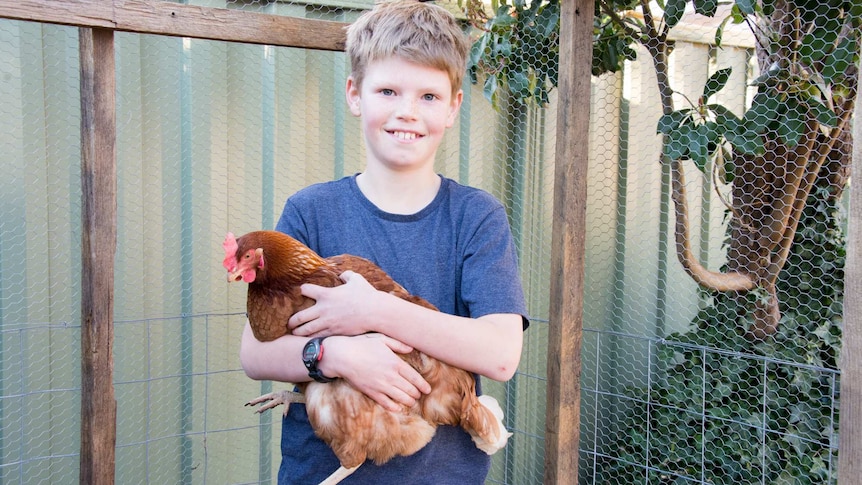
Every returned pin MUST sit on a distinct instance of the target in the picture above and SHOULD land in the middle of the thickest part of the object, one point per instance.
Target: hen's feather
(354, 426)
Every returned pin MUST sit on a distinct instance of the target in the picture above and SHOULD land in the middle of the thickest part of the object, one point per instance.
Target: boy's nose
(407, 108)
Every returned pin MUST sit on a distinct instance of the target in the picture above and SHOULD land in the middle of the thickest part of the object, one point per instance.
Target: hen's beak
(233, 276)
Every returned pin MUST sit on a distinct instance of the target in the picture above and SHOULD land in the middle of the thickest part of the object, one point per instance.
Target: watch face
(310, 351)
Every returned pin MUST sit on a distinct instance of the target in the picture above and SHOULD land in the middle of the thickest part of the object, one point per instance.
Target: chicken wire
(213, 136)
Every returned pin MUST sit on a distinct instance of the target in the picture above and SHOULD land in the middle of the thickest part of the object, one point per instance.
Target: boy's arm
(368, 362)
(489, 345)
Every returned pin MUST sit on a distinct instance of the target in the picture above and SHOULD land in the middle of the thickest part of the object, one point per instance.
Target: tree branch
(732, 281)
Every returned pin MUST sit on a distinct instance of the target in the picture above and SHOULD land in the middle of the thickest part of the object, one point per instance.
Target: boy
(448, 243)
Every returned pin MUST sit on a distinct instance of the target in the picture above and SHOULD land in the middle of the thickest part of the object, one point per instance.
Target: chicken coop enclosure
(213, 135)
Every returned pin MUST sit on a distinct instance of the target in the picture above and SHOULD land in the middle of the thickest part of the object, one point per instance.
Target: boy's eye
(429, 97)
(387, 92)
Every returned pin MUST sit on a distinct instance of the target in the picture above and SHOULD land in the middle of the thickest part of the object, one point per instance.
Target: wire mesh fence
(213, 136)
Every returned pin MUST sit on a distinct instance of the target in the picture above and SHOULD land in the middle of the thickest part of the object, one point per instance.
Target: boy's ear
(454, 107)
(353, 96)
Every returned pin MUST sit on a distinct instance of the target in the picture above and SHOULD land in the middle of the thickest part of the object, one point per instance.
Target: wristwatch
(311, 355)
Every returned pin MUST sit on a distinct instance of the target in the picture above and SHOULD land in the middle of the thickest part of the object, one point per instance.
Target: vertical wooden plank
(568, 243)
(98, 245)
(850, 430)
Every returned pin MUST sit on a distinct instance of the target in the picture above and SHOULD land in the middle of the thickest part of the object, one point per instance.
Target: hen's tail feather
(483, 419)
(339, 475)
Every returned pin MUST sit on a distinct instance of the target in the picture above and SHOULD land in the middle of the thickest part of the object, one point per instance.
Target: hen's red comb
(230, 246)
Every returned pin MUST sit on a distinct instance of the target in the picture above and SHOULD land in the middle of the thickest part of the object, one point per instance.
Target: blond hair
(416, 32)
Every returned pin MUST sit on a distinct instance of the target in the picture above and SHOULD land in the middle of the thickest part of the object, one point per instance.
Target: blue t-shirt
(457, 253)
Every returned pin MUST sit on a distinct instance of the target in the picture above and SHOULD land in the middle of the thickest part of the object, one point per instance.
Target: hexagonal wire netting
(213, 136)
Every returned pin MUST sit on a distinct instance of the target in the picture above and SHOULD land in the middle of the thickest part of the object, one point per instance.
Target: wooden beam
(98, 248)
(562, 424)
(850, 427)
(178, 20)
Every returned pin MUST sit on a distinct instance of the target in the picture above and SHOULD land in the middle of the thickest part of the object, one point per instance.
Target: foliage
(807, 51)
(811, 80)
(750, 386)
(518, 49)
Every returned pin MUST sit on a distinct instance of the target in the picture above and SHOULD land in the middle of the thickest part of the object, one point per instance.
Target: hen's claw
(276, 398)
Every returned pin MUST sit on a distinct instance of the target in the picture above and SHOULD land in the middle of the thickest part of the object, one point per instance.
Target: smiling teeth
(401, 135)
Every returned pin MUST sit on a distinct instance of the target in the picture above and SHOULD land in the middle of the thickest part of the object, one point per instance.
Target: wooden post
(850, 428)
(562, 423)
(98, 245)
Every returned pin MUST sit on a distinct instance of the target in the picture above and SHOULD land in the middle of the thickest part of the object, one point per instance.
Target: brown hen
(275, 265)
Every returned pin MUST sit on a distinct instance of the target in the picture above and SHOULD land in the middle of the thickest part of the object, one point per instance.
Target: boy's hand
(342, 310)
(370, 364)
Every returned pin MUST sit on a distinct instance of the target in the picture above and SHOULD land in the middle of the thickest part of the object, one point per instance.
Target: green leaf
(706, 7)
(816, 44)
(855, 13)
(763, 111)
(677, 143)
(548, 20)
(674, 11)
(746, 141)
(824, 115)
(719, 32)
(519, 83)
(836, 65)
(698, 146)
(716, 82)
(477, 50)
(724, 118)
(503, 20)
(490, 88)
(671, 121)
(792, 125)
(746, 7)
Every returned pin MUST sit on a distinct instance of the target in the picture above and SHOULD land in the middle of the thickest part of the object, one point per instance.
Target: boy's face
(405, 109)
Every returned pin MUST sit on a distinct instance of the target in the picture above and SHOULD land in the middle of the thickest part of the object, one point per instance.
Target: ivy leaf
(716, 82)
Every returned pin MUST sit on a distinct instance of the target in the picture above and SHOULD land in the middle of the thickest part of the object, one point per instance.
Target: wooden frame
(178, 20)
(568, 244)
(850, 426)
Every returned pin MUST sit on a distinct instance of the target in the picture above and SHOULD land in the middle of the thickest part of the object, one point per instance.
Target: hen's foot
(276, 398)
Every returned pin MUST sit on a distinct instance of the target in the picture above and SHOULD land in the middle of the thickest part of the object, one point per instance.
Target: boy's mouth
(405, 135)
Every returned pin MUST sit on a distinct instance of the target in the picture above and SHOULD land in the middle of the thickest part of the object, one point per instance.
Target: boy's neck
(399, 192)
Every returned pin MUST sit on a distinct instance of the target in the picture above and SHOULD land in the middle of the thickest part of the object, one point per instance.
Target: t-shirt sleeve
(490, 279)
